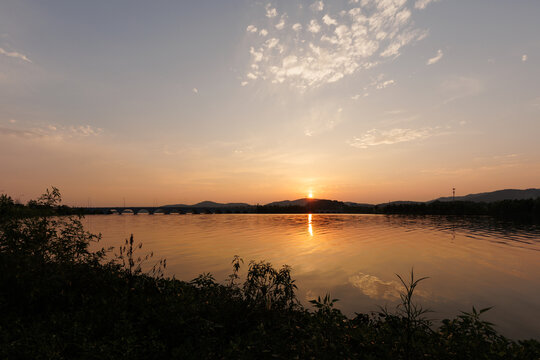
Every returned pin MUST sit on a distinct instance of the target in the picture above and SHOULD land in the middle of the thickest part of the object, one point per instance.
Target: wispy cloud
(422, 4)
(536, 103)
(15, 54)
(460, 87)
(380, 82)
(83, 130)
(436, 58)
(51, 132)
(484, 164)
(376, 137)
(19, 133)
(395, 112)
(324, 47)
(524, 57)
(385, 84)
(195, 90)
(321, 118)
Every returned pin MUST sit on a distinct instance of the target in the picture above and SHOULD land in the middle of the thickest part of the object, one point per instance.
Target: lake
(469, 261)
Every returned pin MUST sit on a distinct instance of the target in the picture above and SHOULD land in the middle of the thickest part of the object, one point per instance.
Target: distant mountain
(299, 202)
(309, 204)
(324, 204)
(211, 204)
(215, 204)
(318, 204)
(400, 202)
(499, 195)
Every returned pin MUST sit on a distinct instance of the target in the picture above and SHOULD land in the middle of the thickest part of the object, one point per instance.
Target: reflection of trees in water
(476, 227)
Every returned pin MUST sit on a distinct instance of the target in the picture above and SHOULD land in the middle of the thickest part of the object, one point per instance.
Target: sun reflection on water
(310, 227)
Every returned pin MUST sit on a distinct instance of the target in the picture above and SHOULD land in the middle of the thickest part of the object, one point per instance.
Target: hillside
(210, 204)
(499, 195)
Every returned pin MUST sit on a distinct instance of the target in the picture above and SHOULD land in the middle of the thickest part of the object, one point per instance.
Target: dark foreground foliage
(59, 300)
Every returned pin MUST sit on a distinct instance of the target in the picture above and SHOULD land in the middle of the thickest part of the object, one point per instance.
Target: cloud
(195, 90)
(51, 132)
(380, 82)
(314, 26)
(422, 4)
(384, 84)
(357, 96)
(524, 57)
(536, 103)
(83, 130)
(331, 46)
(459, 87)
(271, 43)
(263, 32)
(405, 38)
(14, 54)
(19, 133)
(485, 164)
(270, 11)
(281, 24)
(317, 6)
(321, 118)
(251, 29)
(395, 112)
(436, 58)
(256, 55)
(328, 20)
(376, 137)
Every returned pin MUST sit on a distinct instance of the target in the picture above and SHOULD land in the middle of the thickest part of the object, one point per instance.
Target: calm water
(355, 257)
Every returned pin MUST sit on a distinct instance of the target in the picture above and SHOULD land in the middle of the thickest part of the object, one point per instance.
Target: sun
(310, 195)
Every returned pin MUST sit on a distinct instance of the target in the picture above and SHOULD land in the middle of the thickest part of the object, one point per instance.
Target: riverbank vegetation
(526, 210)
(60, 300)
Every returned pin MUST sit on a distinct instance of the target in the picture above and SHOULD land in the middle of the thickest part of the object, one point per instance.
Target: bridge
(167, 210)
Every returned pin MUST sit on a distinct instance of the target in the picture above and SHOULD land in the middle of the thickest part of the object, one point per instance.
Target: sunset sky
(163, 102)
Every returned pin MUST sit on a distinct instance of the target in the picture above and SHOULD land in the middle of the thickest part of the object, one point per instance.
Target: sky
(164, 102)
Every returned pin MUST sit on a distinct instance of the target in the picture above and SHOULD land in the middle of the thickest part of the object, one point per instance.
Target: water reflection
(470, 261)
(374, 287)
